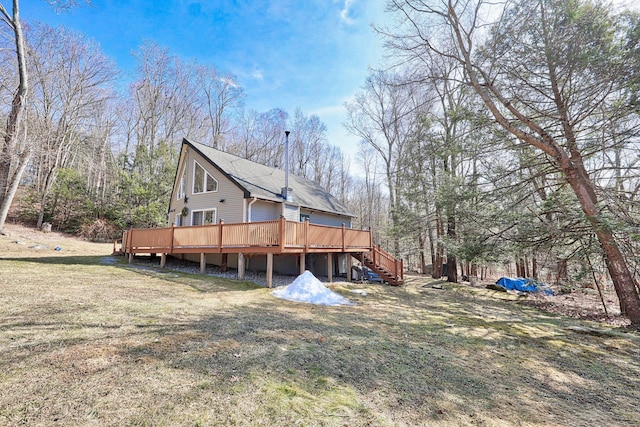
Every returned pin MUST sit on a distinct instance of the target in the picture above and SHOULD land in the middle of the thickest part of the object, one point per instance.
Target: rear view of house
(211, 185)
(233, 212)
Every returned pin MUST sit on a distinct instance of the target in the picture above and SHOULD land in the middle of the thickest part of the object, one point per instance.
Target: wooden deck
(269, 237)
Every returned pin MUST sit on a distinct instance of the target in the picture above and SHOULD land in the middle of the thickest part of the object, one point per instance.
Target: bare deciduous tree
(71, 80)
(385, 115)
(222, 96)
(545, 70)
(16, 150)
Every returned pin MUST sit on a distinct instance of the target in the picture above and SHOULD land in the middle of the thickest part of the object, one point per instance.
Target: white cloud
(258, 74)
(346, 10)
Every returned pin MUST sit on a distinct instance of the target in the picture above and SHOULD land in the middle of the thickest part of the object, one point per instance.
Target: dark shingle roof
(265, 182)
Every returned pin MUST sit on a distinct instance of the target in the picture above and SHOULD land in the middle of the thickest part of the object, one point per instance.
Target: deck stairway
(384, 264)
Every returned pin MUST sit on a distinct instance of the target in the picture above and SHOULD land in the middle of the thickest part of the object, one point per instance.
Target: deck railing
(278, 236)
(387, 262)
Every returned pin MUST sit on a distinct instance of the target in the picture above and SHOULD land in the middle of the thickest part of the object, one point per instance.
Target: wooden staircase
(390, 269)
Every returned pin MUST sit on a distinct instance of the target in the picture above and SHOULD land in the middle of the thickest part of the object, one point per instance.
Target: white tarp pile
(307, 288)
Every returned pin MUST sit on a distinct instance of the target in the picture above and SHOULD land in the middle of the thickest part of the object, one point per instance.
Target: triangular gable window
(203, 182)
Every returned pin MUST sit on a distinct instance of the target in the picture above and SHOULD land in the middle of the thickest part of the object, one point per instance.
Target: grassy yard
(86, 339)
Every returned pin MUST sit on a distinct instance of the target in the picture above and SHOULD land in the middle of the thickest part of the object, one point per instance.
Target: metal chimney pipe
(286, 164)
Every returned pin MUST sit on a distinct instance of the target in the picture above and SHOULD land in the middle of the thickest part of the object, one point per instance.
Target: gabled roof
(266, 183)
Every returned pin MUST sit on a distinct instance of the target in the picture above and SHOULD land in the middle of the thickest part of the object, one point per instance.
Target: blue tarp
(524, 285)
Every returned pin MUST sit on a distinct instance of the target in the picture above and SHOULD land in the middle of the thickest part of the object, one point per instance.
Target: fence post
(343, 237)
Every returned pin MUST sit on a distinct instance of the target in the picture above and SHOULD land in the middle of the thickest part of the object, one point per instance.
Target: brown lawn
(86, 339)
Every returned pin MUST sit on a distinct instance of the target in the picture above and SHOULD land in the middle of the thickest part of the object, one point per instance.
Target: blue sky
(312, 54)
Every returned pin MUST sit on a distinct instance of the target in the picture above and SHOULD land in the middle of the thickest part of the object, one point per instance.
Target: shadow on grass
(395, 358)
(455, 366)
(199, 282)
(63, 260)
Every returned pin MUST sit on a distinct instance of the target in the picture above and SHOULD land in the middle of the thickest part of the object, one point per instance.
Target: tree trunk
(519, 267)
(621, 277)
(432, 248)
(423, 262)
(14, 181)
(439, 258)
(45, 193)
(9, 180)
(452, 264)
(561, 270)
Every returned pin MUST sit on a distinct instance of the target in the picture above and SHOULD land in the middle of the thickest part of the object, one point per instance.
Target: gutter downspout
(249, 208)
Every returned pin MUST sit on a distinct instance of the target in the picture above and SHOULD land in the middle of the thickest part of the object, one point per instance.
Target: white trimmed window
(203, 217)
(183, 186)
(203, 182)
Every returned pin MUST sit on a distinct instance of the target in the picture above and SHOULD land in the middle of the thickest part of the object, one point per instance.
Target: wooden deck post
(302, 266)
(173, 232)
(330, 267)
(282, 232)
(163, 260)
(223, 264)
(306, 234)
(269, 269)
(344, 232)
(376, 255)
(241, 266)
(203, 262)
(220, 235)
(130, 245)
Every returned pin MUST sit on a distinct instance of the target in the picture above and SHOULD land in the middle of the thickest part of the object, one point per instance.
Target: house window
(203, 182)
(203, 217)
(304, 217)
(182, 187)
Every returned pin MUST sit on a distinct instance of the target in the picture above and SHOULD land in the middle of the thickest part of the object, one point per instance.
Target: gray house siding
(322, 218)
(265, 211)
(291, 212)
(227, 201)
